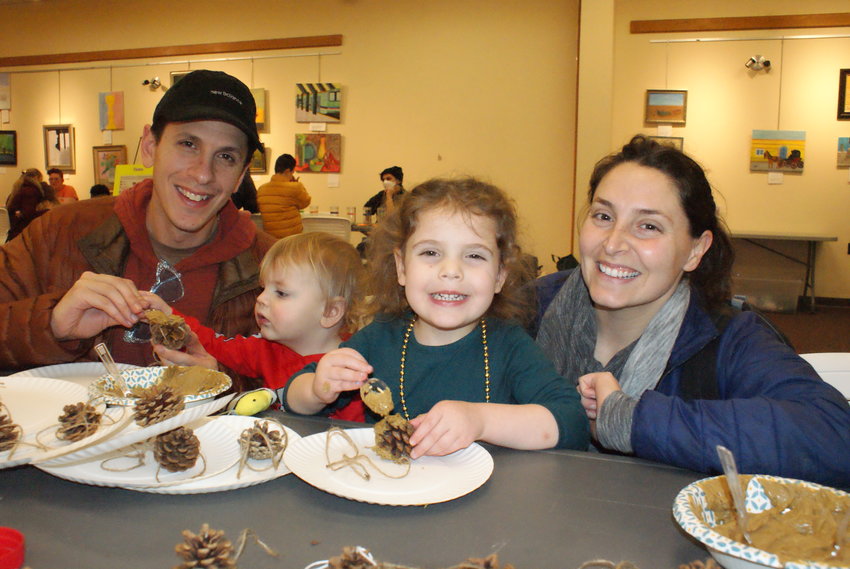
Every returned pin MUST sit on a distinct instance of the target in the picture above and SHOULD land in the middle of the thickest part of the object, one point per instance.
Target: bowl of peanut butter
(792, 524)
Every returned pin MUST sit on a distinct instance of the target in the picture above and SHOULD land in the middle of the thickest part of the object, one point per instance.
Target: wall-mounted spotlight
(154, 83)
(758, 63)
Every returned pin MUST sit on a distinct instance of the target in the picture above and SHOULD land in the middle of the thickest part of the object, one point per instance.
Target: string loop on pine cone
(357, 462)
(269, 446)
(78, 421)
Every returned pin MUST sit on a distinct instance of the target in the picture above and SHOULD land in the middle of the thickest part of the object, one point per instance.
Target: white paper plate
(218, 446)
(35, 403)
(432, 479)
(227, 480)
(133, 433)
(82, 373)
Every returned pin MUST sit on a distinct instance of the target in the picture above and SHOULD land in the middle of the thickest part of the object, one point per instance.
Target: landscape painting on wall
(666, 106)
(8, 148)
(317, 152)
(317, 102)
(778, 150)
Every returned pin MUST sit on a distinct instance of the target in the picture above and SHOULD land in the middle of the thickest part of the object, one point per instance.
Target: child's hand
(339, 370)
(449, 426)
(194, 354)
(155, 302)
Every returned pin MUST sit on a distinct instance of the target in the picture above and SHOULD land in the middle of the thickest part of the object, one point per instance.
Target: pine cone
(156, 404)
(177, 450)
(208, 549)
(170, 331)
(351, 558)
(392, 438)
(262, 443)
(9, 432)
(78, 422)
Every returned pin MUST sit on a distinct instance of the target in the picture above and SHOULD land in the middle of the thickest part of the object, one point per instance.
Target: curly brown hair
(469, 196)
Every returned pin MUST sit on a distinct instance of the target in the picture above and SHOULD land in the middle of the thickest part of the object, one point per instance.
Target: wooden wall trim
(836, 20)
(173, 51)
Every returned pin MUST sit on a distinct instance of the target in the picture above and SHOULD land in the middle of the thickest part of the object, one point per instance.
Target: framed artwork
(5, 92)
(676, 142)
(778, 150)
(665, 106)
(260, 101)
(111, 110)
(844, 94)
(59, 147)
(105, 159)
(318, 102)
(8, 148)
(259, 162)
(315, 152)
(177, 76)
(128, 175)
(843, 151)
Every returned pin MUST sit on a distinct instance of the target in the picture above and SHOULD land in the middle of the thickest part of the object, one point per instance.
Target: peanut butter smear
(378, 400)
(801, 525)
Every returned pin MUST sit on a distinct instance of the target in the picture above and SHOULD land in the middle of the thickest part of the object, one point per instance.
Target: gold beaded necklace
(406, 339)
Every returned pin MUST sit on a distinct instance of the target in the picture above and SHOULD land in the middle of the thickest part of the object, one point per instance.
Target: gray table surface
(550, 509)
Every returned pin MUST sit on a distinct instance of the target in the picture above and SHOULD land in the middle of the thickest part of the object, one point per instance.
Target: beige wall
(726, 102)
(440, 88)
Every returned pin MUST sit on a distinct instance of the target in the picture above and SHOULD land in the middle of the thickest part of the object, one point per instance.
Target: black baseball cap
(205, 95)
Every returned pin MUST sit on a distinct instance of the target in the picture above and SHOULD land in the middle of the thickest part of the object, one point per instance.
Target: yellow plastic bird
(252, 402)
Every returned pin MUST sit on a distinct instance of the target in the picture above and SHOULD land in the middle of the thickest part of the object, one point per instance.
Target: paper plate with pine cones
(171, 458)
(33, 404)
(134, 433)
(84, 373)
(431, 479)
(231, 479)
(194, 383)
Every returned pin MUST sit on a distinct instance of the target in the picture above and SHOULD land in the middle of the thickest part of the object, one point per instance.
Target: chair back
(834, 368)
(334, 224)
(4, 224)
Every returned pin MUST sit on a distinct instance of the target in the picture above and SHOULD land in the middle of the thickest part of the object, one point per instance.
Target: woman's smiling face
(636, 243)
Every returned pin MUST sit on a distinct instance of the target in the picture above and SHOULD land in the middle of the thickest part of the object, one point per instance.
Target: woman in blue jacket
(642, 327)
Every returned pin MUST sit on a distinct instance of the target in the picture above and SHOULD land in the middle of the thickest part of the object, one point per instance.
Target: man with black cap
(73, 279)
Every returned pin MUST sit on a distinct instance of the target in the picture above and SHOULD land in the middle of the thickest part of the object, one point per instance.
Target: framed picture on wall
(666, 106)
(105, 159)
(844, 94)
(676, 142)
(259, 162)
(59, 147)
(177, 76)
(8, 148)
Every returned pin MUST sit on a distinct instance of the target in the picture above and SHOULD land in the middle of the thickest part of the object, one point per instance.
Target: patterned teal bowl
(145, 377)
(727, 552)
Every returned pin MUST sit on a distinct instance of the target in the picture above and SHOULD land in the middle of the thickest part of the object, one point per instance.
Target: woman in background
(22, 204)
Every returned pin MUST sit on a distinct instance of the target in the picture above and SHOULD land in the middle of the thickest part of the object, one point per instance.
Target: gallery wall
(439, 88)
(726, 101)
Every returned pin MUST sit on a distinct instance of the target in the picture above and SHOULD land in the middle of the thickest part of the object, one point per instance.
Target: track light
(154, 83)
(758, 63)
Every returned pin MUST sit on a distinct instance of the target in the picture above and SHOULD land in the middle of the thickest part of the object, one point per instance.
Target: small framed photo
(676, 142)
(59, 147)
(259, 162)
(665, 106)
(177, 76)
(8, 148)
(105, 159)
(844, 94)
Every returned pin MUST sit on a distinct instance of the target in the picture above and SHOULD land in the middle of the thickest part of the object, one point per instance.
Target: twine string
(277, 448)
(243, 538)
(357, 462)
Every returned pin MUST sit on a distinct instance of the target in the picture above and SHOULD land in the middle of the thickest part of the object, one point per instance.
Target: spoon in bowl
(112, 369)
(376, 396)
(727, 460)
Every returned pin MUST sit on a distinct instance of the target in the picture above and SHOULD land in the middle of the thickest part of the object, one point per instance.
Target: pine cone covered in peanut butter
(392, 438)
(77, 422)
(169, 331)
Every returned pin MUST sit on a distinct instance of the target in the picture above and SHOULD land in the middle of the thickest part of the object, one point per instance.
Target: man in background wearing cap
(73, 279)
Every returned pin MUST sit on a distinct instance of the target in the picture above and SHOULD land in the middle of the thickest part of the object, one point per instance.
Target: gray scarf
(568, 336)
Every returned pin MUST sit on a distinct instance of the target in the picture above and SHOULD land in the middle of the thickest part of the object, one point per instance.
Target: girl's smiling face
(451, 270)
(636, 242)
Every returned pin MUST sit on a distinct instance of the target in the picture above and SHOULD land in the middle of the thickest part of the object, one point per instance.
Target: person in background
(72, 278)
(64, 192)
(389, 197)
(281, 199)
(447, 278)
(309, 281)
(99, 190)
(665, 369)
(245, 197)
(49, 201)
(22, 203)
